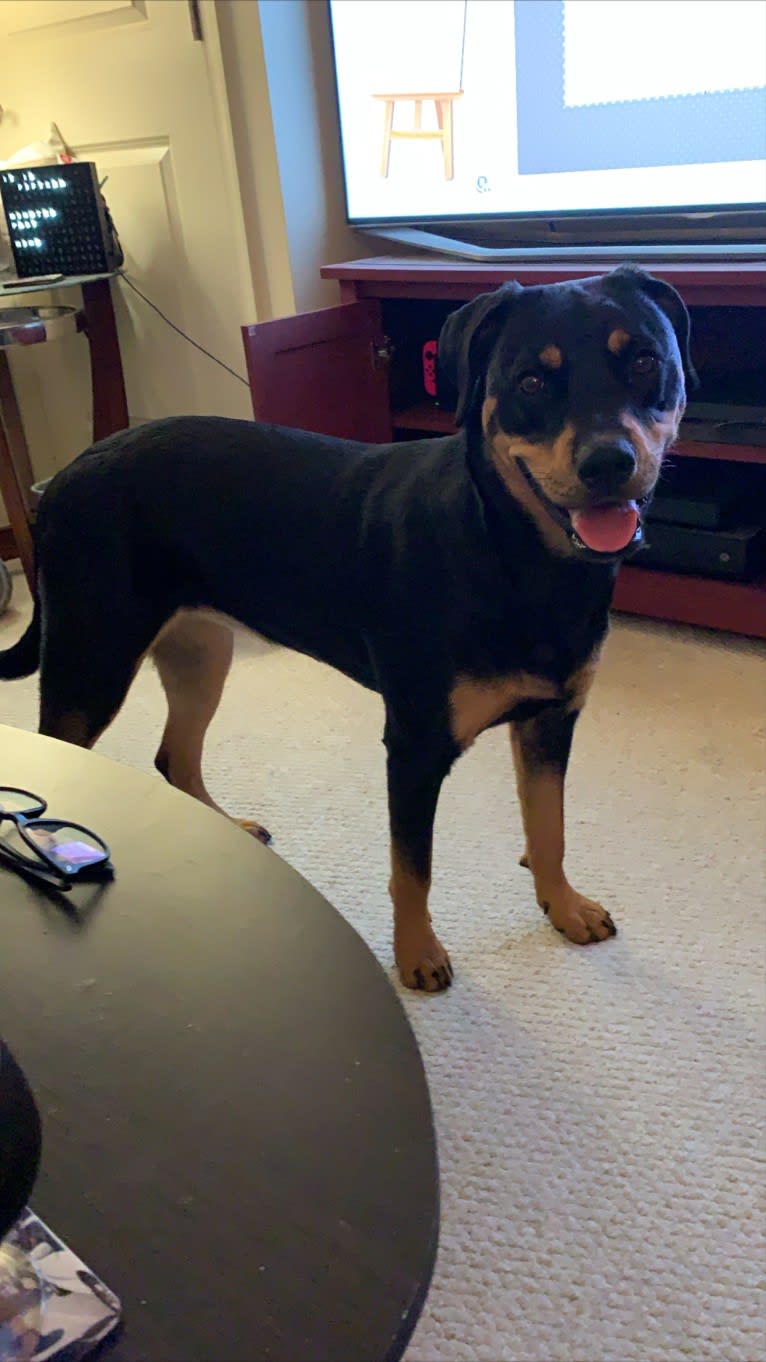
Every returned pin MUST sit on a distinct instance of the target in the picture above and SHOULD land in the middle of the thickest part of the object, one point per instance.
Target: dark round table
(237, 1132)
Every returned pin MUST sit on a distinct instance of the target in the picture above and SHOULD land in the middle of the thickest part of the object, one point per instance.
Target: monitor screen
(481, 108)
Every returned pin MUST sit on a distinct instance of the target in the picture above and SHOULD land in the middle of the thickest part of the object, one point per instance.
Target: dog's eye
(531, 384)
(645, 363)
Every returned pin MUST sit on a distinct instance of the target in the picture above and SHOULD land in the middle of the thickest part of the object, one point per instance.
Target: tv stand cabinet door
(323, 371)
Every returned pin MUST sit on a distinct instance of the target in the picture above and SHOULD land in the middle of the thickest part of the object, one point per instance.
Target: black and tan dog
(467, 579)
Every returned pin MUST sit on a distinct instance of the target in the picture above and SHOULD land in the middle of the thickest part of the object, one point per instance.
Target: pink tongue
(607, 529)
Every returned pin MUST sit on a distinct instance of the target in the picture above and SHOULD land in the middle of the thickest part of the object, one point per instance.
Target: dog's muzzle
(602, 533)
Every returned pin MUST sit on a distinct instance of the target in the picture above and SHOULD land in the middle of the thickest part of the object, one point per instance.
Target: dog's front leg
(541, 749)
(415, 774)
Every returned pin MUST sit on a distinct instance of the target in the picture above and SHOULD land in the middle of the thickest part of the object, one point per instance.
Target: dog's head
(579, 389)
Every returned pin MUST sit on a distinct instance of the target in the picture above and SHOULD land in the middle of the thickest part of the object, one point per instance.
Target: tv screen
(532, 109)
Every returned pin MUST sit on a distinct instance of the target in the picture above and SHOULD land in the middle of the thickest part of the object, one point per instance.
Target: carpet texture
(600, 1111)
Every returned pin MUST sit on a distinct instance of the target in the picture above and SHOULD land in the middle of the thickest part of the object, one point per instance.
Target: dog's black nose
(607, 466)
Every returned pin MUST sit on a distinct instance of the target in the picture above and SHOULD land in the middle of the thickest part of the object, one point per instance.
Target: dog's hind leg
(84, 680)
(95, 626)
(193, 655)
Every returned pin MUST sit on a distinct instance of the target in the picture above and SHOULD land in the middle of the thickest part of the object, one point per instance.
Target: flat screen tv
(497, 128)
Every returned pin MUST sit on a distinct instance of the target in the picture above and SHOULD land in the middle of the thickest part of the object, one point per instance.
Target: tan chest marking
(476, 705)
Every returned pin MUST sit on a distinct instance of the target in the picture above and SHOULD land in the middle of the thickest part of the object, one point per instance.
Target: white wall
(296, 38)
(296, 178)
(247, 89)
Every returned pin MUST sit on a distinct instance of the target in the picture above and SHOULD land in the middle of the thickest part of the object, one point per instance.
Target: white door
(132, 88)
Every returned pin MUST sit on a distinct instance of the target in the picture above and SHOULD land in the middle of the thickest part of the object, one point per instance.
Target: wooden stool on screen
(443, 133)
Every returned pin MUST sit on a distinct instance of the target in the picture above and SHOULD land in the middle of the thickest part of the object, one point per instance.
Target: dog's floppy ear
(465, 346)
(669, 302)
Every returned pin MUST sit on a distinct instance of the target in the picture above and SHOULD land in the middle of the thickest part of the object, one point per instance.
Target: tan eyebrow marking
(617, 341)
(551, 357)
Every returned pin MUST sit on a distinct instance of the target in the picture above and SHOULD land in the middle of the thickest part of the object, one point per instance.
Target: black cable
(137, 290)
(462, 46)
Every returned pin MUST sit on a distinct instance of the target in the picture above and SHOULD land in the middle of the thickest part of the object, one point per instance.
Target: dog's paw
(256, 830)
(423, 963)
(579, 919)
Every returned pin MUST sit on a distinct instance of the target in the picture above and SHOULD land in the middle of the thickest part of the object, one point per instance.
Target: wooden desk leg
(449, 169)
(388, 123)
(17, 511)
(110, 407)
(14, 432)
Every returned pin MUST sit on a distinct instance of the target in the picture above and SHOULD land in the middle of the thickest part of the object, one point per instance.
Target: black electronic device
(58, 221)
(694, 493)
(738, 554)
(703, 510)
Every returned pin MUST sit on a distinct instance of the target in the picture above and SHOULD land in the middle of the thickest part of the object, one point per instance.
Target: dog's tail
(24, 657)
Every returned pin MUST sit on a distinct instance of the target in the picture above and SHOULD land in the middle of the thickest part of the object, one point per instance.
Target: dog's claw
(443, 976)
(579, 919)
(256, 830)
(424, 964)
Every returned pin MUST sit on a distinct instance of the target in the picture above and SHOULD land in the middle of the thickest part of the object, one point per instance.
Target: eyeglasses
(63, 851)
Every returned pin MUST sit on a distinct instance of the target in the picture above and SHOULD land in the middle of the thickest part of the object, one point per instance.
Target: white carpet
(600, 1111)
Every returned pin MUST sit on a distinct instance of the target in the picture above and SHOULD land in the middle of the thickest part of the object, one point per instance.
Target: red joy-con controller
(429, 367)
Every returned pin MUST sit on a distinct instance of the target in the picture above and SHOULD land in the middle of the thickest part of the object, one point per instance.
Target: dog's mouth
(601, 533)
